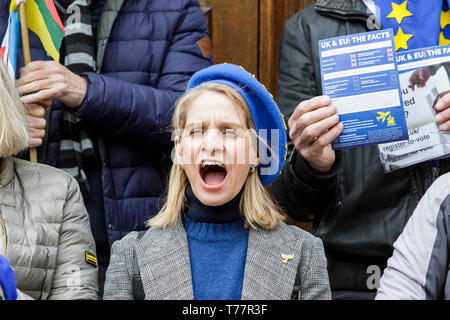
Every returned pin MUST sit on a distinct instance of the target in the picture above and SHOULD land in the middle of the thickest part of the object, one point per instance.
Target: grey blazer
(163, 259)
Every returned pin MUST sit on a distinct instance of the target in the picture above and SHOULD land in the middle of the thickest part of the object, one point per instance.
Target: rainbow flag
(42, 19)
(10, 44)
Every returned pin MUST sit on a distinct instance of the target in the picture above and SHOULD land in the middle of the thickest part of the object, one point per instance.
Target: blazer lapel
(163, 258)
(266, 276)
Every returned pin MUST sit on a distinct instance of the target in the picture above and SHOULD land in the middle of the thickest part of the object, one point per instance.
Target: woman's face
(216, 148)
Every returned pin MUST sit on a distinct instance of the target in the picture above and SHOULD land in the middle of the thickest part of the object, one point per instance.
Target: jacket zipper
(102, 168)
(3, 226)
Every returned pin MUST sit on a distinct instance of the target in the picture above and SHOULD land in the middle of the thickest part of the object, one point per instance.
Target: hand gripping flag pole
(26, 51)
(41, 17)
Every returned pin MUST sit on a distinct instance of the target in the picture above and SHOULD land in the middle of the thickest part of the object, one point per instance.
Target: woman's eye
(231, 133)
(195, 132)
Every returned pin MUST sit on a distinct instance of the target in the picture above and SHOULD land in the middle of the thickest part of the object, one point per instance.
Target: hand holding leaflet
(441, 107)
(312, 128)
(359, 73)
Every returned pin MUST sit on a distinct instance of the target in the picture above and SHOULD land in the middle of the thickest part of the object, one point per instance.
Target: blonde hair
(13, 130)
(256, 203)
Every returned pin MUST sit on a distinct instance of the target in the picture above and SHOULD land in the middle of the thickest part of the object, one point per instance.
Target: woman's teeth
(211, 163)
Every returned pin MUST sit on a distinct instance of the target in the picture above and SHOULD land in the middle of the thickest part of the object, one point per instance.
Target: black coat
(357, 209)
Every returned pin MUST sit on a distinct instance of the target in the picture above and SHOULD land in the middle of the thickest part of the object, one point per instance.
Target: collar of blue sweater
(197, 211)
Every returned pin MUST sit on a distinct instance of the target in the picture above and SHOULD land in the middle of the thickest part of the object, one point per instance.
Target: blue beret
(266, 115)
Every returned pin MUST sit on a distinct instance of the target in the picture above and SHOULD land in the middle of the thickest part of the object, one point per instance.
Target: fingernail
(325, 100)
(438, 118)
(438, 106)
(332, 109)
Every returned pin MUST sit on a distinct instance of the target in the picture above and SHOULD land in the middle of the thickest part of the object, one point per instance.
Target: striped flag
(42, 19)
(10, 44)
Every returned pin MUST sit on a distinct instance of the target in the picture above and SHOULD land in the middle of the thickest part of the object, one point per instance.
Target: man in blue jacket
(102, 113)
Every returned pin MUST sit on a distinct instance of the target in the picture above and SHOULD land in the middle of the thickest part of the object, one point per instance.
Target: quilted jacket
(146, 53)
(45, 232)
(419, 268)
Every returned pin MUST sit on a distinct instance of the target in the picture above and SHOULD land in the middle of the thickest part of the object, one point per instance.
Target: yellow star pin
(399, 12)
(286, 257)
(445, 18)
(401, 40)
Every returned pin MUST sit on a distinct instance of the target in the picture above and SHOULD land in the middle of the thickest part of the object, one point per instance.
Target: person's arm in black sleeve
(307, 184)
(302, 193)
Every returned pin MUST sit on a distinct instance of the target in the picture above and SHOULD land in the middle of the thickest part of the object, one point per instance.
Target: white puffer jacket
(45, 232)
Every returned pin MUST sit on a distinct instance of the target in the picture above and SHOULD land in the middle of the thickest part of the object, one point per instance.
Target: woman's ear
(253, 158)
(255, 162)
(178, 151)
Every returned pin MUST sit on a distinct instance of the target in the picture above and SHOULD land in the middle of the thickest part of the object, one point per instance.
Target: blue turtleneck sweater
(217, 248)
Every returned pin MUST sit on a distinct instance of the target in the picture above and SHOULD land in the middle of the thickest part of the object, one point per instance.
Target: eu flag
(416, 23)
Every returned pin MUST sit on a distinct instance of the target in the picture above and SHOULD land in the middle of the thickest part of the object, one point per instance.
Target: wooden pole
(26, 54)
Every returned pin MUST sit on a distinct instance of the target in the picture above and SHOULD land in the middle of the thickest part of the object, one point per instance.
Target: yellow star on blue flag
(399, 12)
(416, 23)
(444, 36)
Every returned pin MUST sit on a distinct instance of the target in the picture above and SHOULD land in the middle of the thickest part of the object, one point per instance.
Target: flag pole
(26, 53)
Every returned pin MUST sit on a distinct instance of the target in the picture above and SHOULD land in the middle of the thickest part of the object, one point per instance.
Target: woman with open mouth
(219, 235)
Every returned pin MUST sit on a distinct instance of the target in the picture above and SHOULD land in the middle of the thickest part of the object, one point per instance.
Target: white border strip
(358, 71)
(422, 63)
(357, 48)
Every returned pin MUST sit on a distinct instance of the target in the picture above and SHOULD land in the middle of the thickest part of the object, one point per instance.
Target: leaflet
(424, 76)
(359, 73)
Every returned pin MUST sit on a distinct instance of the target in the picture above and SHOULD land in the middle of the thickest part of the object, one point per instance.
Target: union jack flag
(10, 44)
